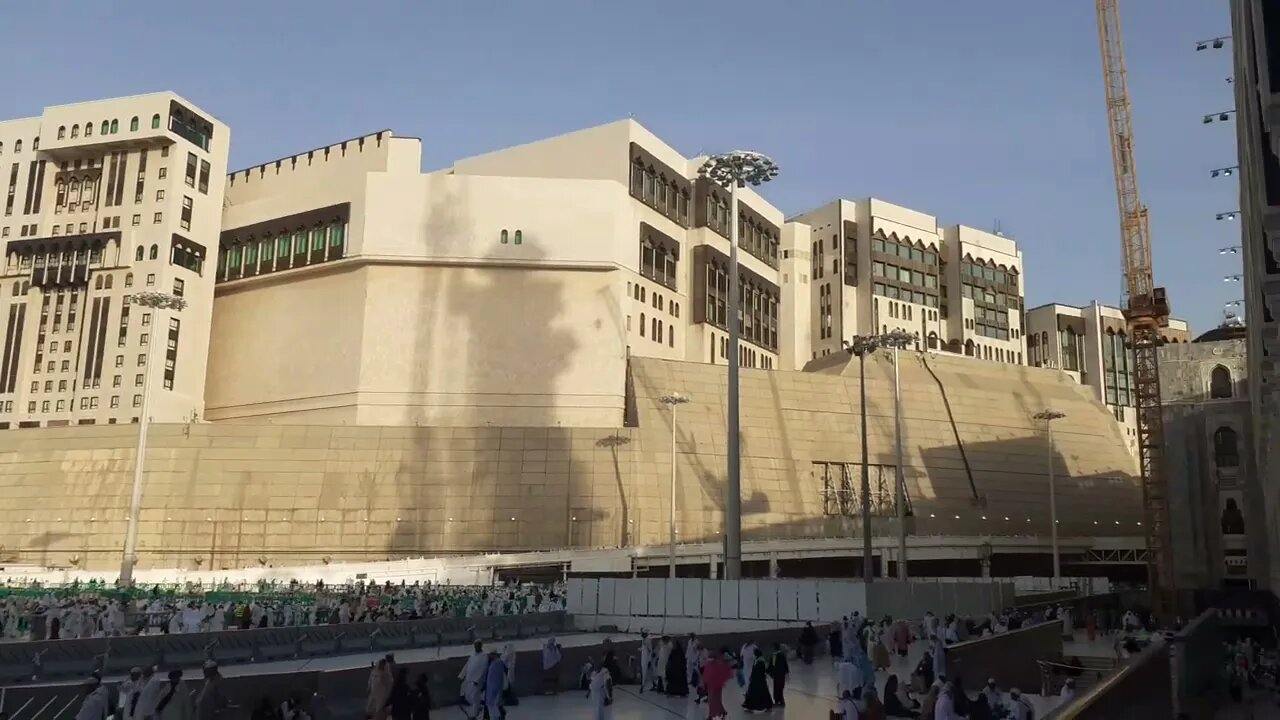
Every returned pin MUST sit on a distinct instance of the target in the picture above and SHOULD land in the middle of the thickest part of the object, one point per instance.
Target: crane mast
(1146, 312)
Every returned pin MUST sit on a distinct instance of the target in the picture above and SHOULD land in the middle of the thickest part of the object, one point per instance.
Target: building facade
(511, 288)
(1216, 499)
(877, 267)
(1089, 344)
(1255, 32)
(107, 199)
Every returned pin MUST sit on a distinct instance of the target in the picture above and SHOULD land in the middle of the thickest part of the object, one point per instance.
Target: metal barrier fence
(53, 659)
(1176, 676)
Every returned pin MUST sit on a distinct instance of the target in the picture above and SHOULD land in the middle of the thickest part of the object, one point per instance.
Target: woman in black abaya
(758, 697)
(677, 675)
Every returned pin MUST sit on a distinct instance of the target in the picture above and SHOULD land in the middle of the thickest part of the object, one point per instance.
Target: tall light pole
(898, 339)
(157, 301)
(734, 170)
(862, 345)
(1048, 415)
(674, 400)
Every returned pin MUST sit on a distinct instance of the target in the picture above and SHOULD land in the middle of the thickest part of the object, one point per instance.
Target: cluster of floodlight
(160, 300)
(739, 168)
(865, 344)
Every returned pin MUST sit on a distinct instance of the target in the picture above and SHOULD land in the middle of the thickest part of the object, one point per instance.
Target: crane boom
(1146, 311)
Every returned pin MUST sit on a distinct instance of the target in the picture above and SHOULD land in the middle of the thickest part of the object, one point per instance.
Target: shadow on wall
(503, 509)
(1013, 475)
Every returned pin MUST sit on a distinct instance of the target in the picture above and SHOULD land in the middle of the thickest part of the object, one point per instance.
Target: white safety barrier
(694, 605)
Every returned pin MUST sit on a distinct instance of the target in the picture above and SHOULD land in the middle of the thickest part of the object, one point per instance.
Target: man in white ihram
(472, 677)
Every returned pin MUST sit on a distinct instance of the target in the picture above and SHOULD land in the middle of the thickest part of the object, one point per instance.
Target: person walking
(716, 674)
(494, 683)
(757, 698)
(380, 682)
(422, 698)
(778, 671)
(400, 700)
(600, 691)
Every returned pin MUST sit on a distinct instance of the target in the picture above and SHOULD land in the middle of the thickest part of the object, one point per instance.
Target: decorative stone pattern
(226, 495)
(1208, 479)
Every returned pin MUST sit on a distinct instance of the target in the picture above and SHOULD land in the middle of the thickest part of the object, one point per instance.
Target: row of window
(987, 352)
(929, 281)
(288, 250)
(748, 357)
(905, 251)
(758, 322)
(826, 313)
(998, 275)
(894, 292)
(86, 403)
(116, 382)
(655, 189)
(638, 292)
(655, 327)
(109, 127)
(990, 297)
(1117, 369)
(758, 241)
(659, 263)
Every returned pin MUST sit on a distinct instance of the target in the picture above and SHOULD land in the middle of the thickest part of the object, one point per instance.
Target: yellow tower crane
(1146, 312)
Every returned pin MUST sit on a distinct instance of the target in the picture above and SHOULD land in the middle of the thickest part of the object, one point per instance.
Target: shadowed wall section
(227, 495)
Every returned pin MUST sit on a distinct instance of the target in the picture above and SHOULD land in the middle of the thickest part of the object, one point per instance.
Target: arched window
(155, 121)
(108, 283)
(75, 131)
(17, 146)
(128, 278)
(106, 128)
(641, 324)
(933, 340)
(16, 289)
(133, 124)
(115, 126)
(35, 144)
(61, 188)
(1220, 383)
(97, 284)
(88, 188)
(62, 132)
(968, 348)
(139, 254)
(1226, 451)
(88, 129)
(1, 148)
(155, 251)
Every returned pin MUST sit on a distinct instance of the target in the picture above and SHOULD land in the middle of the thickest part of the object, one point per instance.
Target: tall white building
(878, 267)
(106, 199)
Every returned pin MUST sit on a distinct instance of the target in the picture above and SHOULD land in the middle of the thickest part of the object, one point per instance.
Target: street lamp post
(674, 400)
(734, 170)
(897, 340)
(861, 346)
(1048, 415)
(157, 301)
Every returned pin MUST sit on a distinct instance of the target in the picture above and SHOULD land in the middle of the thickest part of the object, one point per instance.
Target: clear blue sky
(971, 111)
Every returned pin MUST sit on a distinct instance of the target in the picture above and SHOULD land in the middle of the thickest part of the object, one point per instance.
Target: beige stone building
(228, 494)
(1088, 344)
(877, 267)
(106, 199)
(510, 288)
(381, 362)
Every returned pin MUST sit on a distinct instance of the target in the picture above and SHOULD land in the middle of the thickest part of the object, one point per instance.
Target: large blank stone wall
(226, 495)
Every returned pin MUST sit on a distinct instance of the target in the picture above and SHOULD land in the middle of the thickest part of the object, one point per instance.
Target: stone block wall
(231, 495)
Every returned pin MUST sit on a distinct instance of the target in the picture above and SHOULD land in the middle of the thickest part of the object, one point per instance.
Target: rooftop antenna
(996, 229)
